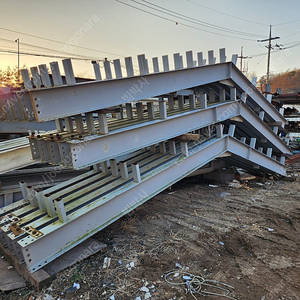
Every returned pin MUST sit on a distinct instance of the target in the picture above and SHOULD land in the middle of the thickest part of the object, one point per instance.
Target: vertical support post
(184, 149)
(192, 101)
(219, 129)
(97, 71)
(269, 152)
(40, 199)
(103, 127)
(117, 67)
(282, 160)
(172, 147)
(203, 101)
(211, 58)
(155, 64)
(260, 149)
(222, 55)
(70, 78)
(234, 58)
(281, 111)
(114, 167)
(129, 113)
(253, 81)
(189, 59)
(165, 59)
(253, 142)
(49, 205)
(59, 125)
(136, 172)
(212, 96)
(150, 109)
(177, 61)
(129, 66)
(69, 124)
(180, 102)
(262, 114)
(162, 109)
(143, 64)
(124, 170)
(89, 119)
(57, 80)
(233, 94)
(162, 148)
(79, 123)
(103, 166)
(36, 77)
(200, 59)
(23, 189)
(152, 148)
(275, 129)
(107, 69)
(170, 102)
(8, 198)
(139, 110)
(26, 79)
(45, 75)
(243, 139)
(231, 130)
(60, 209)
(222, 94)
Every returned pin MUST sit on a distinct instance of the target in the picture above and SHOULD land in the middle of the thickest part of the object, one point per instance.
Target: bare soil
(247, 238)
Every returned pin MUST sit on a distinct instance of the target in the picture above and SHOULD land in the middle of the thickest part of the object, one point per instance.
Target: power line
(202, 23)
(287, 22)
(58, 42)
(48, 49)
(222, 13)
(185, 25)
(43, 55)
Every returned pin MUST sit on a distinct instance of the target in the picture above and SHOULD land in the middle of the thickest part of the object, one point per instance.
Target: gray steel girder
(93, 206)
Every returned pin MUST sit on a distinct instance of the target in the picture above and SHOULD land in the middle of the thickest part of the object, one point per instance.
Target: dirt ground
(247, 239)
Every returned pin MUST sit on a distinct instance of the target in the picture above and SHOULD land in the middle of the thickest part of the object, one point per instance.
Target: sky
(97, 29)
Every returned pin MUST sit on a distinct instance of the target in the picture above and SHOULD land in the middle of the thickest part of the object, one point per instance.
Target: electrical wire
(44, 48)
(287, 23)
(199, 285)
(43, 55)
(185, 25)
(202, 23)
(58, 42)
(222, 13)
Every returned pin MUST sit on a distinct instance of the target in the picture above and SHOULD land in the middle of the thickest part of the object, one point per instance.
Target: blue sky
(107, 28)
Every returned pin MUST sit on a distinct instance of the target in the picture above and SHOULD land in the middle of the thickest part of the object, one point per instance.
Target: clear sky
(107, 28)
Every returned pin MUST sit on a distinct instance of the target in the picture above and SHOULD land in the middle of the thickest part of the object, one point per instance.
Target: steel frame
(92, 149)
(15, 154)
(94, 200)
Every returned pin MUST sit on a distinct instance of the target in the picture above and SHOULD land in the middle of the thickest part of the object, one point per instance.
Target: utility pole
(242, 57)
(269, 47)
(18, 41)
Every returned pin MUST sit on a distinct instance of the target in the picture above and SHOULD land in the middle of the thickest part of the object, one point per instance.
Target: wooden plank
(10, 279)
(73, 256)
(38, 279)
(187, 137)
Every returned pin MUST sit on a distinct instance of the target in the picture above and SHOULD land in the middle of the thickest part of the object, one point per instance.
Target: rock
(106, 262)
(144, 289)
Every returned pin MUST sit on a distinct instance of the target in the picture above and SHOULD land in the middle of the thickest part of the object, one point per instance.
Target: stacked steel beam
(140, 134)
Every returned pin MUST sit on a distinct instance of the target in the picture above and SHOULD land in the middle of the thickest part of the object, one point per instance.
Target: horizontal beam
(64, 101)
(15, 154)
(93, 149)
(89, 150)
(24, 127)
